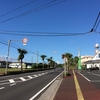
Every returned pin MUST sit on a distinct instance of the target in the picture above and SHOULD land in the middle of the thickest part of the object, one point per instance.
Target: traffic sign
(24, 40)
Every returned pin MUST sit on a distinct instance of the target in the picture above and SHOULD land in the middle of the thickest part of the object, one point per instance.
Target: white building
(15, 65)
(18, 65)
(95, 61)
(85, 59)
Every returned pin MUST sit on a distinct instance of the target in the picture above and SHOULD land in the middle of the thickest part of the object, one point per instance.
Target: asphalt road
(92, 76)
(25, 86)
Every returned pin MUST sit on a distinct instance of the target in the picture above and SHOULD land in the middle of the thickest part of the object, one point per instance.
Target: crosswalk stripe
(30, 77)
(11, 81)
(23, 79)
(39, 74)
(35, 75)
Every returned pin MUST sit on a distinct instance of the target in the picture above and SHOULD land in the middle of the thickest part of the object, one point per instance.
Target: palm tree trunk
(67, 67)
(21, 65)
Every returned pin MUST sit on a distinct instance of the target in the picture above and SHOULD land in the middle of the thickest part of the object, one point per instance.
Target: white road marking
(32, 98)
(30, 77)
(95, 80)
(2, 88)
(39, 75)
(84, 77)
(11, 81)
(35, 75)
(4, 83)
(12, 84)
(23, 79)
(95, 74)
(42, 74)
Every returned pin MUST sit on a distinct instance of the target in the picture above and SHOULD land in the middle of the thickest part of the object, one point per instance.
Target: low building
(18, 65)
(93, 64)
(95, 61)
(85, 59)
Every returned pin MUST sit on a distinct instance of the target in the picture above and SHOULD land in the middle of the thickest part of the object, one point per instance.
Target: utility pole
(24, 43)
(32, 59)
(79, 61)
(6, 70)
(37, 58)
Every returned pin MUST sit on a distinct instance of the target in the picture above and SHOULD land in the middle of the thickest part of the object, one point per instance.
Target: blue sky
(69, 16)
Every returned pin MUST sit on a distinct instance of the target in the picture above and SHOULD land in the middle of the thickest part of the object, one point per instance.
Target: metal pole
(6, 70)
(37, 58)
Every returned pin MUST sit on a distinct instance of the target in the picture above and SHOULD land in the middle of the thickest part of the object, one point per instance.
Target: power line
(19, 33)
(49, 4)
(17, 8)
(13, 45)
(97, 25)
(95, 22)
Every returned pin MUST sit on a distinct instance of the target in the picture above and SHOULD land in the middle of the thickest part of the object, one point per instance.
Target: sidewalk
(77, 89)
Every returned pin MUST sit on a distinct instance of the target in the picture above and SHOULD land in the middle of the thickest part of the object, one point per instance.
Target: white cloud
(57, 62)
(54, 52)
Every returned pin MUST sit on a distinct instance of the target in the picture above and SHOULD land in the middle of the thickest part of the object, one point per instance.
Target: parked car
(93, 68)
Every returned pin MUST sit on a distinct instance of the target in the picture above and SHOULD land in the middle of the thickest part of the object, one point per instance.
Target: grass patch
(18, 70)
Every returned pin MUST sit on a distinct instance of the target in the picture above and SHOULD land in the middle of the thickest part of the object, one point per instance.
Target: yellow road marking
(78, 89)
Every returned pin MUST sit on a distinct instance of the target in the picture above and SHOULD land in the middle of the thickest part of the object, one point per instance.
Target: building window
(99, 55)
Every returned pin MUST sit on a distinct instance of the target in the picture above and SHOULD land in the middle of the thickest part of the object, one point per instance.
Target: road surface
(26, 86)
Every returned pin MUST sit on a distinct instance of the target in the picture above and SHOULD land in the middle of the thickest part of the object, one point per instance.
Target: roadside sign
(24, 40)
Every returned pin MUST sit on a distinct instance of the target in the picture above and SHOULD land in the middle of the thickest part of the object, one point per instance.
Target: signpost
(24, 40)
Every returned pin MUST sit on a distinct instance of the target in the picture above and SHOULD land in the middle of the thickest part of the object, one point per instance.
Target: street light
(24, 43)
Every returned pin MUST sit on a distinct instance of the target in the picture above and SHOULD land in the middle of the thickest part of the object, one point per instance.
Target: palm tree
(51, 58)
(48, 59)
(51, 61)
(21, 52)
(43, 57)
(68, 56)
(76, 60)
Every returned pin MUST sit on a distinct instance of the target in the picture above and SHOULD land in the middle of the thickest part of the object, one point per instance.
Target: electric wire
(13, 45)
(95, 22)
(97, 25)
(34, 10)
(17, 8)
(23, 33)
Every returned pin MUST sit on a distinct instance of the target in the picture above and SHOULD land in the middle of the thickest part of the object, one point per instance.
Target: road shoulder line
(84, 76)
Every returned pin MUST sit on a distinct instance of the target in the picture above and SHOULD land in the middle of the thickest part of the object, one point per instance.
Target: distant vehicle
(93, 68)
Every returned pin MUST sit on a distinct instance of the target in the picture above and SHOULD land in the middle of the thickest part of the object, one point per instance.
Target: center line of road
(78, 89)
